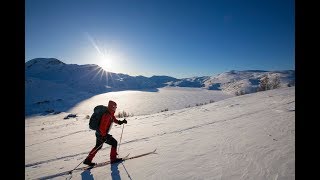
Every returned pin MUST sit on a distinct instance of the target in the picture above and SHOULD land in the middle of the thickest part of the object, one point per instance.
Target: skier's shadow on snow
(86, 175)
(115, 175)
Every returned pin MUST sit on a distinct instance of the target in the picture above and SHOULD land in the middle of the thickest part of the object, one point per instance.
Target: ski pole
(120, 138)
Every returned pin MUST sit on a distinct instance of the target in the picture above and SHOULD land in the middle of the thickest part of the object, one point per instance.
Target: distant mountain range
(50, 78)
(89, 78)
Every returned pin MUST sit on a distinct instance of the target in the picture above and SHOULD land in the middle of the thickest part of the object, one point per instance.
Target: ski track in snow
(140, 139)
(57, 137)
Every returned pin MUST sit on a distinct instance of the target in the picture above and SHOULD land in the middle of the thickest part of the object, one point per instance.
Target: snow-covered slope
(243, 137)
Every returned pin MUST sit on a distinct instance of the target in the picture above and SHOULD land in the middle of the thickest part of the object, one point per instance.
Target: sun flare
(106, 61)
(106, 58)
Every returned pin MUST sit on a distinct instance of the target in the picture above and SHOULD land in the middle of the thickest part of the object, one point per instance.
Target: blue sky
(179, 38)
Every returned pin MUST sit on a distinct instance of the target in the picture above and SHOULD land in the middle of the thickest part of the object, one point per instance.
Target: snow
(144, 102)
(240, 137)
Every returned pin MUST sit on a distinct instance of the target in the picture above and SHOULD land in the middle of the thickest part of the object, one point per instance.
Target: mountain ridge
(55, 70)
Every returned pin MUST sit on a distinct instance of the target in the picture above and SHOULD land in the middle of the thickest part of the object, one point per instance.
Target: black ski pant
(99, 143)
(108, 139)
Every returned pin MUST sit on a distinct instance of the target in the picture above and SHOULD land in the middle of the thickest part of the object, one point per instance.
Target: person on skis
(102, 135)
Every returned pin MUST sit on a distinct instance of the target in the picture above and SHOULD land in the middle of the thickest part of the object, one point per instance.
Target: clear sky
(179, 38)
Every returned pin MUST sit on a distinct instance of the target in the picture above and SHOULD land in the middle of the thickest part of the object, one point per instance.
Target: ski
(140, 155)
(127, 157)
(79, 169)
(97, 165)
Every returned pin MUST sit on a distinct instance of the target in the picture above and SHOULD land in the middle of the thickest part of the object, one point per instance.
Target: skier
(102, 135)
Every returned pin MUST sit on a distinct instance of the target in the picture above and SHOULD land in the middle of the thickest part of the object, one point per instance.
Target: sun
(105, 57)
(106, 61)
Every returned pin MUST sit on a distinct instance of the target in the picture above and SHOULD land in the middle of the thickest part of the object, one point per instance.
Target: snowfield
(243, 137)
(144, 102)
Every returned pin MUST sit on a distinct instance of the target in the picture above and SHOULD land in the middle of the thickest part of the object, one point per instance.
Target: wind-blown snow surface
(243, 137)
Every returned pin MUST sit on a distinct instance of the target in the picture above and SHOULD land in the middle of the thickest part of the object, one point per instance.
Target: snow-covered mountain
(237, 81)
(51, 83)
(88, 78)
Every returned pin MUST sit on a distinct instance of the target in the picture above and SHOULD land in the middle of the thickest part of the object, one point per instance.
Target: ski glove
(124, 121)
